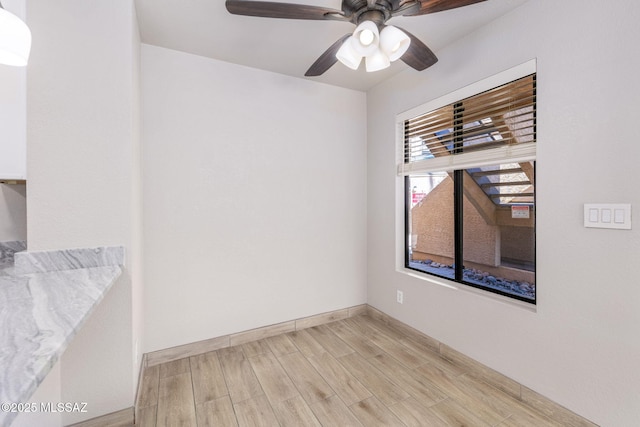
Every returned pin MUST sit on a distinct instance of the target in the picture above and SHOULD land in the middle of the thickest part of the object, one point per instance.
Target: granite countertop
(45, 297)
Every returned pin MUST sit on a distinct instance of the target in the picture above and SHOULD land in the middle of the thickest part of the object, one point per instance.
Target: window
(469, 189)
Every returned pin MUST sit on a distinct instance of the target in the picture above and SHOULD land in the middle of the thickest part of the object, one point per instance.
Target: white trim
(506, 154)
(455, 286)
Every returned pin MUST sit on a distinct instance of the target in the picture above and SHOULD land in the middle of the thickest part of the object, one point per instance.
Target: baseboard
(488, 375)
(192, 349)
(122, 418)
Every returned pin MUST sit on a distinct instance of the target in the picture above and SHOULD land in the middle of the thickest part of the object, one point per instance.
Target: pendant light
(15, 39)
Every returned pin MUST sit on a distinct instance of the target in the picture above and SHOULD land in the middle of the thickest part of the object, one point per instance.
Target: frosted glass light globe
(376, 61)
(366, 38)
(394, 42)
(348, 55)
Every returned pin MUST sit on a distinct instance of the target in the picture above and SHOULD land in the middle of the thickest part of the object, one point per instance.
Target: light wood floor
(354, 372)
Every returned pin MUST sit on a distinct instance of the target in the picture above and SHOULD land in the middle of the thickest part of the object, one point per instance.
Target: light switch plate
(607, 215)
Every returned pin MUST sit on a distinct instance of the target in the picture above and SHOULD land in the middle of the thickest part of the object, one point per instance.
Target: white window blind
(496, 125)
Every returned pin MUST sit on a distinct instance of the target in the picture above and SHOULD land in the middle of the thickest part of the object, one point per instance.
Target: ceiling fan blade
(327, 59)
(268, 9)
(418, 56)
(408, 7)
(433, 6)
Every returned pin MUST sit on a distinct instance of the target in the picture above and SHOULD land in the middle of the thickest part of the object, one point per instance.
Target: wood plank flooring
(353, 372)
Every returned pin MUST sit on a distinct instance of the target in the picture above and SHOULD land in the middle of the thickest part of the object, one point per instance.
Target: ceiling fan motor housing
(359, 11)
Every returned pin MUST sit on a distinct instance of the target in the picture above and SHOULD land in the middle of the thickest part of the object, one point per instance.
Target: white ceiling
(204, 27)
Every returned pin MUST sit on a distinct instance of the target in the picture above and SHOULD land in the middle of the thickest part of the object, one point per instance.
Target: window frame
(506, 154)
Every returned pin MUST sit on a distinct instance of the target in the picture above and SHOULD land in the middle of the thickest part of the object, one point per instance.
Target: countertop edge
(27, 262)
(47, 297)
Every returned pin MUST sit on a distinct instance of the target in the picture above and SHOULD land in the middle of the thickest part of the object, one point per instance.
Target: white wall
(13, 149)
(581, 347)
(13, 108)
(13, 212)
(82, 153)
(254, 197)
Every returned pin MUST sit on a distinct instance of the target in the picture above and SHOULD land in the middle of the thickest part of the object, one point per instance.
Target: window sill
(455, 286)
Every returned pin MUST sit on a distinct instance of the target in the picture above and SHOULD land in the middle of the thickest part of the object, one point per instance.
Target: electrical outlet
(399, 297)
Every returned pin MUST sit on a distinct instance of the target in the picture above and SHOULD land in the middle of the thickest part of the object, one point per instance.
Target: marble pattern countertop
(43, 304)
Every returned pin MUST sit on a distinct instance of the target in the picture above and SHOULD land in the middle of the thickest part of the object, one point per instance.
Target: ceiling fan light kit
(15, 39)
(380, 48)
(378, 43)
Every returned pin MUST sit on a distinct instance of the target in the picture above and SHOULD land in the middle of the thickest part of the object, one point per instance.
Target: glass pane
(430, 234)
(499, 229)
(506, 184)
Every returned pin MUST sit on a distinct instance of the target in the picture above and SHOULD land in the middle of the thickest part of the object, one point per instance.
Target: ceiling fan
(373, 40)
